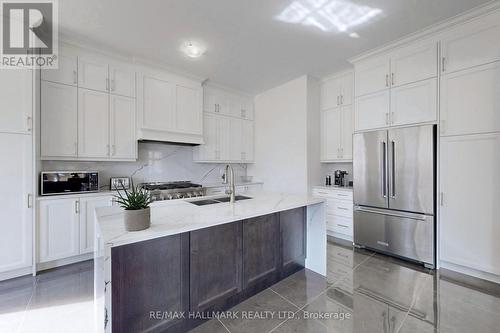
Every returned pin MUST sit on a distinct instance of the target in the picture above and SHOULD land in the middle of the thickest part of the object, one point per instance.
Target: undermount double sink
(213, 201)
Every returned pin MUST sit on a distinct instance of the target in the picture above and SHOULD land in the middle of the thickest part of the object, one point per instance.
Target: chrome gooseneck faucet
(229, 179)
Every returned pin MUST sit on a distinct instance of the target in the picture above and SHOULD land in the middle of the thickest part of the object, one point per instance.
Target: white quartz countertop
(333, 187)
(76, 195)
(211, 185)
(178, 216)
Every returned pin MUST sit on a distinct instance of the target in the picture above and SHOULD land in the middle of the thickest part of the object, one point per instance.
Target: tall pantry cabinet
(16, 171)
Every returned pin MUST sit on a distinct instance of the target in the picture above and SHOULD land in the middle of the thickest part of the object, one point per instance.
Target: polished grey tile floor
(363, 292)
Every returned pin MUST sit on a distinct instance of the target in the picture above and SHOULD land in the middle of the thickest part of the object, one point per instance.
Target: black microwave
(68, 182)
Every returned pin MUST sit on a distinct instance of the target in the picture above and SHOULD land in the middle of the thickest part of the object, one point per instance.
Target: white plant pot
(136, 220)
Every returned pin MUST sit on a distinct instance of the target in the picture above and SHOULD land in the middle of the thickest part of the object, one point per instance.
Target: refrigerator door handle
(393, 170)
(383, 170)
(412, 216)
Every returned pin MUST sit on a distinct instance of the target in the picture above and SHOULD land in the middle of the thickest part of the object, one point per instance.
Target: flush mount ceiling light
(328, 15)
(193, 49)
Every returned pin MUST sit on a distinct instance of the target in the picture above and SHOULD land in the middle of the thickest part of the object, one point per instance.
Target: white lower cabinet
(339, 211)
(16, 194)
(66, 226)
(469, 209)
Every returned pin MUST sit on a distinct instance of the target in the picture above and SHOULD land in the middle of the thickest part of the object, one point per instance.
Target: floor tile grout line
(284, 321)
(220, 321)
(286, 299)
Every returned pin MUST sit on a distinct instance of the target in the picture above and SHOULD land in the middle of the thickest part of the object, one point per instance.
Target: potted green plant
(136, 203)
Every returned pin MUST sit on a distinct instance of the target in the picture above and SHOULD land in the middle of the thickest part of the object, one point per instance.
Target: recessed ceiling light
(328, 15)
(193, 49)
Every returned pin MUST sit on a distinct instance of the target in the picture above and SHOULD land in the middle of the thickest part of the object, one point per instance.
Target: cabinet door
(471, 44)
(261, 252)
(93, 73)
(16, 184)
(248, 141)
(414, 63)
(216, 266)
(347, 131)
(293, 240)
(208, 150)
(16, 100)
(188, 110)
(87, 221)
(157, 109)
(67, 71)
(331, 121)
(121, 80)
(236, 142)
(414, 103)
(372, 75)
(223, 138)
(59, 120)
(330, 94)
(58, 229)
(122, 127)
(247, 108)
(152, 274)
(468, 216)
(347, 88)
(372, 111)
(470, 101)
(93, 124)
(216, 101)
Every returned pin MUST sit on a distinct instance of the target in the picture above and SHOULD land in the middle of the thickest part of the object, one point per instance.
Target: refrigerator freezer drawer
(402, 234)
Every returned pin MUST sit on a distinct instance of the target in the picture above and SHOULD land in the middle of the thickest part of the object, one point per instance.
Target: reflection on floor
(363, 292)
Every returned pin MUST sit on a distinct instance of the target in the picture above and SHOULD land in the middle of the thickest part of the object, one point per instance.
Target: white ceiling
(248, 47)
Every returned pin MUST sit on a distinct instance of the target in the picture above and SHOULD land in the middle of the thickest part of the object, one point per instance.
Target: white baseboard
(62, 262)
(341, 236)
(470, 271)
(15, 273)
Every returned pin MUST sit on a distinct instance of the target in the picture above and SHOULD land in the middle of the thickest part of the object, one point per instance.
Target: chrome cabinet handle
(342, 208)
(107, 84)
(29, 123)
(30, 200)
(75, 77)
(393, 116)
(77, 207)
(392, 78)
(342, 225)
(113, 85)
(441, 199)
(387, 80)
(443, 63)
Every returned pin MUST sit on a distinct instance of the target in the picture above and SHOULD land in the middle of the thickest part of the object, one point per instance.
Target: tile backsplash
(156, 162)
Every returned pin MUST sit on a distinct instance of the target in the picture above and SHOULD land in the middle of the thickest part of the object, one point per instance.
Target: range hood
(144, 135)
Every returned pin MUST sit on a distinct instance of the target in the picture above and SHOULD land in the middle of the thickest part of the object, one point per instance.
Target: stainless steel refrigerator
(394, 192)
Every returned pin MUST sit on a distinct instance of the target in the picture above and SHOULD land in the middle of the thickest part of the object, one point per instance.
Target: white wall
(156, 162)
(286, 125)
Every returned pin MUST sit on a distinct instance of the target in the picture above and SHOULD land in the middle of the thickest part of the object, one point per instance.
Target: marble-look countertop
(178, 216)
(334, 187)
(220, 184)
(76, 195)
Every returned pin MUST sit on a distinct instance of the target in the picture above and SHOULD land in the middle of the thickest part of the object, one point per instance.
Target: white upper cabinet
(414, 103)
(470, 101)
(16, 101)
(372, 75)
(93, 124)
(188, 116)
(67, 71)
(372, 111)
(121, 80)
(208, 150)
(468, 217)
(122, 136)
(247, 154)
(347, 129)
(169, 107)
(59, 121)
(58, 229)
(337, 91)
(216, 101)
(93, 72)
(247, 111)
(471, 44)
(88, 206)
(414, 63)
(331, 121)
(16, 196)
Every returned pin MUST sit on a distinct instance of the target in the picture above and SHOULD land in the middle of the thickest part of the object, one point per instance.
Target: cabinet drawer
(333, 194)
(342, 226)
(342, 208)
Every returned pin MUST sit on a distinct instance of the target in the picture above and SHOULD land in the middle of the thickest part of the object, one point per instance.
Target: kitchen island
(196, 260)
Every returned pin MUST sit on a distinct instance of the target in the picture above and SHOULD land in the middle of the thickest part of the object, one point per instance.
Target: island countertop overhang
(179, 216)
